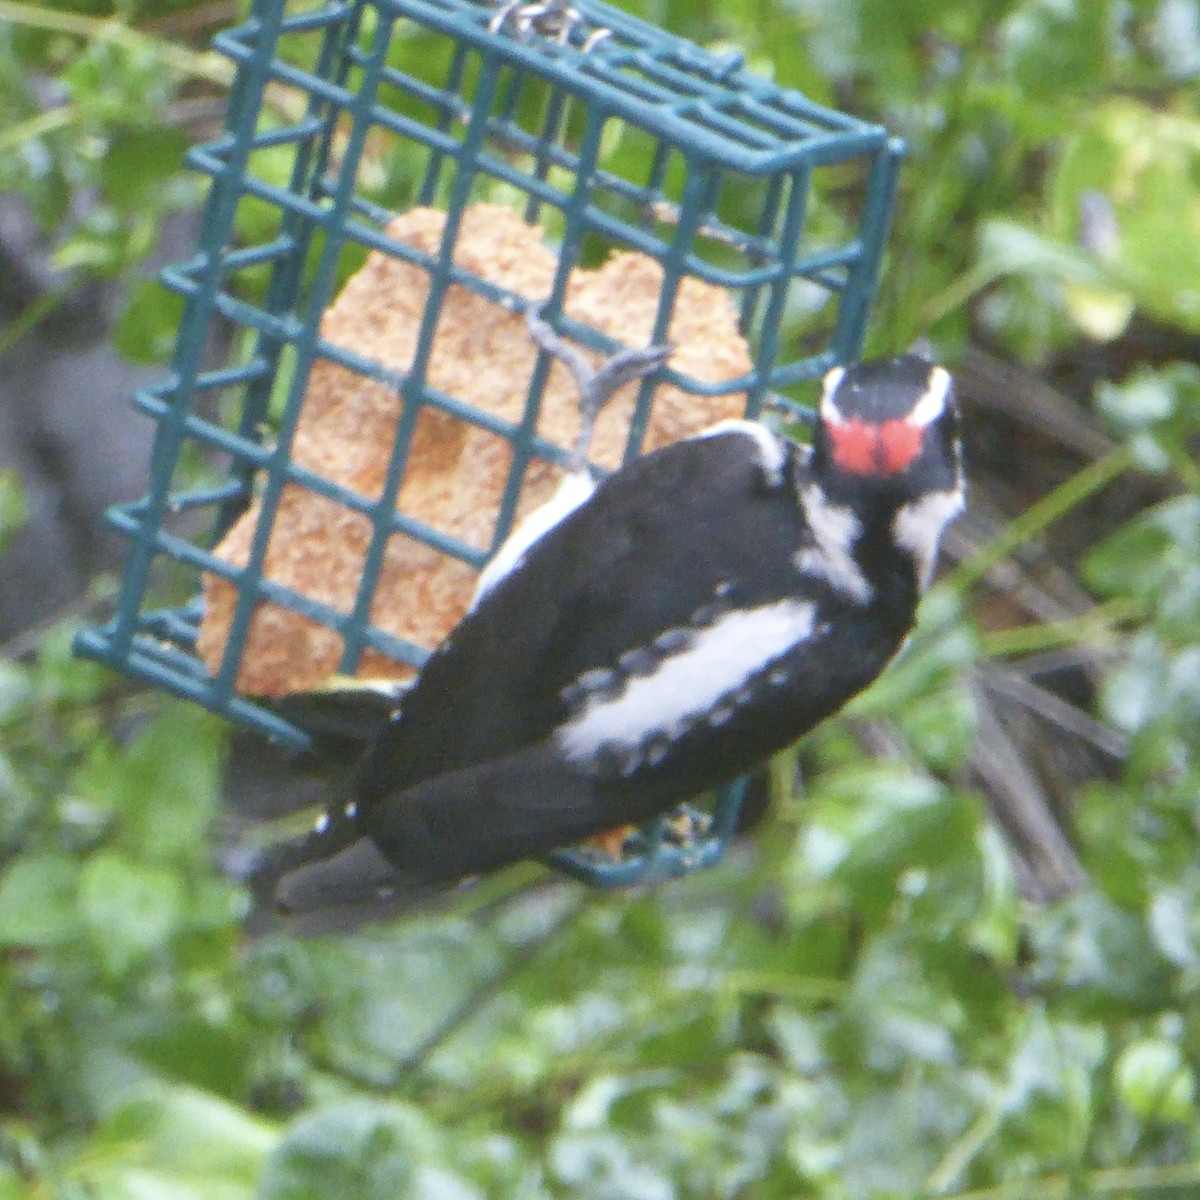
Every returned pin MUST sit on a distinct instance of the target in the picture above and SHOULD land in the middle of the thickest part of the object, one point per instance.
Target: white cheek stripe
(835, 530)
(918, 525)
(686, 686)
(575, 490)
(772, 452)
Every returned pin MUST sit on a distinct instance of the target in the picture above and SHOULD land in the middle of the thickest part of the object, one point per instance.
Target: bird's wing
(671, 534)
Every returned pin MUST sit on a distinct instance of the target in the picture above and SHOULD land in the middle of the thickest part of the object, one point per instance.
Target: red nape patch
(861, 448)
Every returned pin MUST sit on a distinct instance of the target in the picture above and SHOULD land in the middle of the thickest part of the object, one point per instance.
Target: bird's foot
(612, 842)
(596, 386)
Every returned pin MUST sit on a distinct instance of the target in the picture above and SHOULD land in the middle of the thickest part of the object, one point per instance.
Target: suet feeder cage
(605, 134)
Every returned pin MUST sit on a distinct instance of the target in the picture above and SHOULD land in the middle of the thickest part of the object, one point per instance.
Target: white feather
(688, 685)
(772, 453)
(835, 529)
(574, 490)
(829, 386)
(933, 403)
(918, 525)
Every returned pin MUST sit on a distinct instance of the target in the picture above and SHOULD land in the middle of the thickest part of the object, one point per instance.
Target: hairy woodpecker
(648, 638)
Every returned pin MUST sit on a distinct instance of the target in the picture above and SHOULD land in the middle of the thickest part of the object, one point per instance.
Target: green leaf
(176, 1143)
(166, 783)
(1144, 161)
(1144, 399)
(1104, 955)
(211, 1050)
(146, 330)
(1052, 48)
(12, 505)
(278, 982)
(62, 680)
(1009, 248)
(1154, 1082)
(1147, 556)
(139, 164)
(1047, 1096)
(879, 815)
(359, 1151)
(130, 908)
(12, 1186)
(37, 901)
(16, 688)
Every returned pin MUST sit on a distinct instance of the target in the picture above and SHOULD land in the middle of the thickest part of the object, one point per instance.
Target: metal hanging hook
(553, 19)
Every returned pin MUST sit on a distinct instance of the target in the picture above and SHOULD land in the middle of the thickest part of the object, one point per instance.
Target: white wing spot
(691, 685)
(673, 640)
(588, 683)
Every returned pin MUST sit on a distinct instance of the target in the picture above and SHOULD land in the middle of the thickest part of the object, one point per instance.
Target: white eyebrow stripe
(686, 686)
(772, 452)
(829, 410)
(933, 403)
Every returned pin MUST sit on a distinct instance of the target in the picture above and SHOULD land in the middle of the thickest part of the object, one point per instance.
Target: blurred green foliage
(858, 1007)
(12, 505)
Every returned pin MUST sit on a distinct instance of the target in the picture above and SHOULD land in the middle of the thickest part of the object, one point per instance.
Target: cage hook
(555, 19)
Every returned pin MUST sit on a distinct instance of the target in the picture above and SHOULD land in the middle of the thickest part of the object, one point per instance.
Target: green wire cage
(605, 131)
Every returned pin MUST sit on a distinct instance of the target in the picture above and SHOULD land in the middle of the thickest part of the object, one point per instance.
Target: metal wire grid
(712, 131)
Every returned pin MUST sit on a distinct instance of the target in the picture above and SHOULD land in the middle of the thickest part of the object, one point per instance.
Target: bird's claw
(596, 386)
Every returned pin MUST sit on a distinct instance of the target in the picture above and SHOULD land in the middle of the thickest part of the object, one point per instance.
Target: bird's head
(889, 427)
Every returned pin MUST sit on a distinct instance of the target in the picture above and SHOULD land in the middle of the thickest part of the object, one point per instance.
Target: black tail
(412, 848)
(329, 880)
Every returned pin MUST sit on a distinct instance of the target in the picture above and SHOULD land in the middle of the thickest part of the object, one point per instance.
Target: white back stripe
(575, 489)
(772, 452)
(687, 685)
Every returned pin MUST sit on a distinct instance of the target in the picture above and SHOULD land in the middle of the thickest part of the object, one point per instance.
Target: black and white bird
(648, 638)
